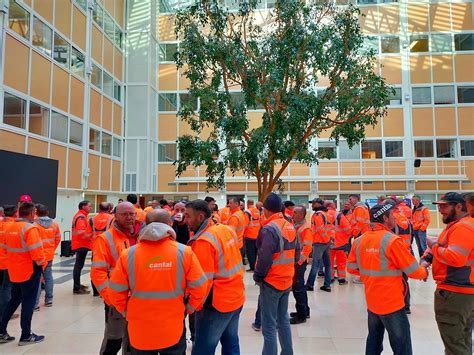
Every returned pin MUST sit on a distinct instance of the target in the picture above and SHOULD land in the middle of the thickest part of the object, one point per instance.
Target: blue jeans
(213, 326)
(321, 252)
(5, 290)
(398, 329)
(420, 238)
(48, 284)
(23, 293)
(274, 309)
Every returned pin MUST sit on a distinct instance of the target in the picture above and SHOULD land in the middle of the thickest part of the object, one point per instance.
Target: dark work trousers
(81, 254)
(192, 326)
(177, 349)
(23, 293)
(299, 291)
(115, 333)
(407, 294)
(94, 289)
(242, 253)
(251, 249)
(5, 290)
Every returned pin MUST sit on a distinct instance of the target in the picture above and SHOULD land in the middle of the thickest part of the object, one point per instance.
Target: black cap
(317, 200)
(378, 211)
(273, 203)
(450, 197)
(289, 203)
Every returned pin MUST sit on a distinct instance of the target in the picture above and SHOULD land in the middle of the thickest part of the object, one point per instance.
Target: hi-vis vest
(281, 273)
(238, 227)
(51, 237)
(81, 232)
(100, 223)
(321, 228)
(253, 227)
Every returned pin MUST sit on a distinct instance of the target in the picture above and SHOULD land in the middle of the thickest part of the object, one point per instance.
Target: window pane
(419, 43)
(98, 14)
(58, 127)
(75, 133)
(346, 153)
(441, 43)
(61, 51)
(443, 95)
(395, 99)
(94, 140)
(446, 148)
(117, 90)
(424, 149)
(327, 150)
(109, 26)
(118, 37)
(77, 62)
(464, 42)
(106, 143)
(421, 96)
(167, 102)
(185, 100)
(394, 149)
(371, 43)
(82, 4)
(167, 152)
(108, 85)
(117, 147)
(38, 120)
(167, 52)
(96, 76)
(427, 200)
(19, 19)
(14, 111)
(372, 150)
(168, 5)
(42, 36)
(467, 148)
(466, 94)
(390, 45)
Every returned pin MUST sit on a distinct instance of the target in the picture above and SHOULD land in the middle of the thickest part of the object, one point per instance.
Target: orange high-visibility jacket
(225, 214)
(51, 237)
(343, 231)
(280, 275)
(24, 246)
(321, 227)
(237, 223)
(360, 219)
(217, 218)
(453, 257)
(252, 220)
(141, 215)
(402, 228)
(4, 223)
(81, 231)
(405, 210)
(147, 209)
(304, 240)
(421, 218)
(151, 294)
(380, 258)
(107, 249)
(216, 247)
(100, 223)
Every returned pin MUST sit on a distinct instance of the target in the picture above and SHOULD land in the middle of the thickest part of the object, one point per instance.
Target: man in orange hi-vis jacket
(420, 220)
(380, 258)
(51, 237)
(81, 244)
(237, 221)
(155, 292)
(452, 257)
(25, 259)
(252, 221)
(216, 247)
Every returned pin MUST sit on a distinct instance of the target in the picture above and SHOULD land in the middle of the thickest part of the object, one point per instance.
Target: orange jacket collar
(274, 216)
(205, 225)
(237, 209)
(379, 227)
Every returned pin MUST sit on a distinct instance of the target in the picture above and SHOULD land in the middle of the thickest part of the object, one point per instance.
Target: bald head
(159, 216)
(125, 215)
(125, 207)
(104, 207)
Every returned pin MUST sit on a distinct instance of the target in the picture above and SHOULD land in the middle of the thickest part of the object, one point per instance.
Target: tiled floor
(337, 325)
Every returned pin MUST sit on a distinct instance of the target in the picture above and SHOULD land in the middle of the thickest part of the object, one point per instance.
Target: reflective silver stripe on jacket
(384, 270)
(222, 273)
(102, 286)
(282, 259)
(113, 250)
(179, 289)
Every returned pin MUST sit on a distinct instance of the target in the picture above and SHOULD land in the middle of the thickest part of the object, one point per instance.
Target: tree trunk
(264, 192)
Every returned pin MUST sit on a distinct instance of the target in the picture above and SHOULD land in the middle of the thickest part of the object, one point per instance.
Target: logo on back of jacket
(156, 264)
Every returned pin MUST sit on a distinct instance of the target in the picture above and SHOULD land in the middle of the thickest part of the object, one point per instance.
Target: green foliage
(277, 59)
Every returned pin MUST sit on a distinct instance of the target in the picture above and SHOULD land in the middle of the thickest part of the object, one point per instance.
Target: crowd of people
(154, 267)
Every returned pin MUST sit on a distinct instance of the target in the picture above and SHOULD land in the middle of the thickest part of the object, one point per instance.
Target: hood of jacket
(44, 222)
(157, 231)
(419, 207)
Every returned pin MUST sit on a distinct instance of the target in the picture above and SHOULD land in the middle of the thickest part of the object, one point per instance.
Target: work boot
(6, 338)
(297, 320)
(309, 288)
(256, 327)
(295, 315)
(85, 287)
(342, 282)
(81, 291)
(324, 288)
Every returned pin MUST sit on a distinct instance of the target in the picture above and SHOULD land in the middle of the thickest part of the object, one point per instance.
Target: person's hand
(427, 273)
(425, 264)
(430, 241)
